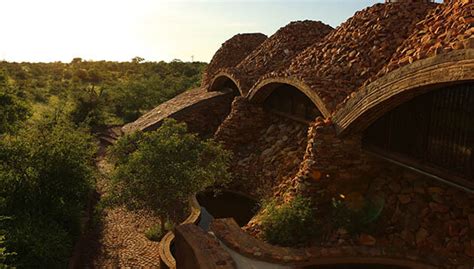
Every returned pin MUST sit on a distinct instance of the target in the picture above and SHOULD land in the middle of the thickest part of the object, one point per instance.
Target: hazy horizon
(58, 30)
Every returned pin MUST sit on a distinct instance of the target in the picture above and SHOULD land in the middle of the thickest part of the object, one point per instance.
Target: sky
(118, 30)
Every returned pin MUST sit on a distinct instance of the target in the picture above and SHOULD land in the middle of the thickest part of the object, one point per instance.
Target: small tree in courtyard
(160, 170)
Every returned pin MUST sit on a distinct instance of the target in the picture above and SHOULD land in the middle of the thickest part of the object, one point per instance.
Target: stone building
(379, 110)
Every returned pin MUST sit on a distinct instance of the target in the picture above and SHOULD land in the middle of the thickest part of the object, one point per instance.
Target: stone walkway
(120, 242)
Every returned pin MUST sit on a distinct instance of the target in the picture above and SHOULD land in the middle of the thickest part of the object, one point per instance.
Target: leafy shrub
(289, 224)
(4, 254)
(12, 111)
(39, 242)
(167, 167)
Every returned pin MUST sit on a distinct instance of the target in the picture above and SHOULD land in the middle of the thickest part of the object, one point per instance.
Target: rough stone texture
(231, 53)
(449, 27)
(203, 112)
(372, 101)
(233, 237)
(267, 148)
(277, 51)
(196, 249)
(419, 212)
(354, 51)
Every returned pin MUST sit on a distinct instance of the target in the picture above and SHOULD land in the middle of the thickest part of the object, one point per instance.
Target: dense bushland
(47, 113)
(46, 171)
(101, 92)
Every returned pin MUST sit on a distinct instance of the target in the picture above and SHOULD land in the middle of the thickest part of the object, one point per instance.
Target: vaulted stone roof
(355, 51)
(231, 53)
(278, 50)
(179, 103)
(448, 27)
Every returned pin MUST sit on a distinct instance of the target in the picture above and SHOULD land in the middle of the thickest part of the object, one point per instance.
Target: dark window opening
(225, 84)
(288, 101)
(433, 133)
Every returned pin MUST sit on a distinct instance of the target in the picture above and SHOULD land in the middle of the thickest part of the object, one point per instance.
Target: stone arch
(262, 90)
(401, 85)
(223, 81)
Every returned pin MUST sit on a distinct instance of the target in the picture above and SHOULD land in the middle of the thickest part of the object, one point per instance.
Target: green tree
(45, 178)
(167, 167)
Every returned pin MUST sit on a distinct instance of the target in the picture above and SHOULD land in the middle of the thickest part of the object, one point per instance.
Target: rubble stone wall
(267, 148)
(419, 212)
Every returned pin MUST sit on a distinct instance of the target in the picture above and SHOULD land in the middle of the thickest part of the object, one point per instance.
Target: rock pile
(273, 157)
(449, 27)
(356, 50)
(277, 51)
(231, 53)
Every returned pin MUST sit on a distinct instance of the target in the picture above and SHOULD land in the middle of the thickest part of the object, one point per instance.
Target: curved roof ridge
(278, 50)
(355, 50)
(448, 27)
(231, 53)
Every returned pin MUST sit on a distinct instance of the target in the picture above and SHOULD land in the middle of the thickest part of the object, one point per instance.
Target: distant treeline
(101, 92)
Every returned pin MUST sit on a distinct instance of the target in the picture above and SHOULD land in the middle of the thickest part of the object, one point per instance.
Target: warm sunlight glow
(53, 30)
(118, 30)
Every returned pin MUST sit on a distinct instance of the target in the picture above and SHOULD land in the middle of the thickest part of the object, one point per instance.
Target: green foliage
(167, 167)
(89, 107)
(291, 223)
(102, 92)
(45, 174)
(12, 109)
(155, 233)
(4, 254)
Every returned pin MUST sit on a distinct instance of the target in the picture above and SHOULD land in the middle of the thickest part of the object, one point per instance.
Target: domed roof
(354, 51)
(231, 53)
(449, 27)
(278, 50)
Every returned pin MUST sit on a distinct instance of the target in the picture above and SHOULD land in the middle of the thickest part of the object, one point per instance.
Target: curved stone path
(118, 240)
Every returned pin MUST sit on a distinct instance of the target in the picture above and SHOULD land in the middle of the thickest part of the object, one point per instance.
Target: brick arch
(222, 79)
(401, 85)
(264, 88)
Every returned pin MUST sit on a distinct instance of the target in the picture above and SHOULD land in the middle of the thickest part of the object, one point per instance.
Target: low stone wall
(230, 234)
(196, 249)
(167, 261)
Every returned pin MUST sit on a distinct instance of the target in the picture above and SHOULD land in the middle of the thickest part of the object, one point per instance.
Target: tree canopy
(166, 167)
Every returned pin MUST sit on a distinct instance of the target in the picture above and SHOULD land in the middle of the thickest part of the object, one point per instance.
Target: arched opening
(288, 101)
(224, 83)
(432, 133)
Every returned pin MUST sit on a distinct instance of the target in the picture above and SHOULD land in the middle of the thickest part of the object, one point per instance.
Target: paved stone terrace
(120, 242)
